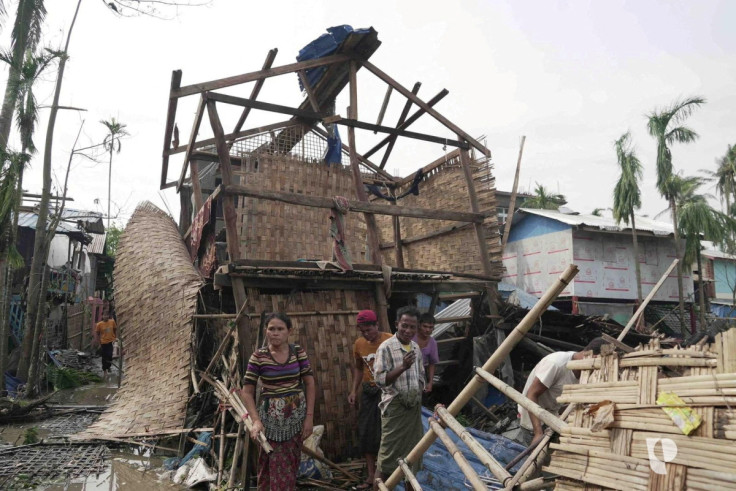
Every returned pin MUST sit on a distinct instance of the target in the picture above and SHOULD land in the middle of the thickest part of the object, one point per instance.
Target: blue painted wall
(725, 276)
(534, 225)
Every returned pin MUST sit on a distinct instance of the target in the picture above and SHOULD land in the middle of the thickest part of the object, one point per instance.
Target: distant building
(542, 243)
(503, 203)
(719, 277)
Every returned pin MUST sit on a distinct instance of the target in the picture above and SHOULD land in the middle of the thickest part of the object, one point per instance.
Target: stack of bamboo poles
(643, 448)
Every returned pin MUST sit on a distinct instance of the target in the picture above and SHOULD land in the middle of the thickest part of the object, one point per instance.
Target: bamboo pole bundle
(409, 475)
(483, 455)
(647, 361)
(600, 471)
(545, 416)
(469, 472)
(674, 352)
(492, 363)
(239, 410)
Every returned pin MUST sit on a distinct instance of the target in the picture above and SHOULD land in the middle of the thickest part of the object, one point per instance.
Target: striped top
(278, 379)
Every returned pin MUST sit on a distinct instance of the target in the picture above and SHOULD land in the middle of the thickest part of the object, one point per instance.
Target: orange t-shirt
(364, 353)
(106, 331)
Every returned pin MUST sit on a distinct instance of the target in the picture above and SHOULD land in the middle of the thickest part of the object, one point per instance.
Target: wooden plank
(231, 137)
(397, 240)
(354, 123)
(643, 305)
(194, 170)
(170, 120)
(382, 111)
(360, 206)
(416, 100)
(623, 347)
(256, 90)
(402, 118)
(264, 106)
(308, 88)
(261, 74)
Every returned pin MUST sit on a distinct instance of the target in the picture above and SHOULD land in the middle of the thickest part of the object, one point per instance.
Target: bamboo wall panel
(704, 459)
(328, 340)
(156, 294)
(283, 232)
(445, 189)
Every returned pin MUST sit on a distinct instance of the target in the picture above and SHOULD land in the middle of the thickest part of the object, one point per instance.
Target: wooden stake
(492, 363)
(643, 305)
(512, 201)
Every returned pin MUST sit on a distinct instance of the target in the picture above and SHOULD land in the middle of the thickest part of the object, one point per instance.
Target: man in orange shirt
(106, 332)
(369, 416)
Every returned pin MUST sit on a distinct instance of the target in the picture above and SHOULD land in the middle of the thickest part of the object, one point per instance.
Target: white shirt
(552, 371)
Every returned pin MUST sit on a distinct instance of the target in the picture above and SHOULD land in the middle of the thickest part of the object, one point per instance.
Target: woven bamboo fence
(444, 188)
(156, 294)
(282, 232)
(619, 456)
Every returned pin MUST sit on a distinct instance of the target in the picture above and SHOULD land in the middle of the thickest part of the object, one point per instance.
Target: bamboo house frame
(274, 202)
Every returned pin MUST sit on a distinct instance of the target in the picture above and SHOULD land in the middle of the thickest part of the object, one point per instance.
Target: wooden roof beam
(190, 146)
(170, 120)
(232, 137)
(264, 106)
(256, 90)
(260, 74)
(416, 100)
(352, 123)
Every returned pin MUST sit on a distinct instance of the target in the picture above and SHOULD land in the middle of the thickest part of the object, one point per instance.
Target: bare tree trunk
(678, 253)
(38, 332)
(635, 239)
(39, 258)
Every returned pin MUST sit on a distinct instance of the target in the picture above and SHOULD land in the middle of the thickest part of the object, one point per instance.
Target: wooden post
(397, 238)
(512, 201)
(370, 220)
(231, 227)
(492, 363)
(643, 305)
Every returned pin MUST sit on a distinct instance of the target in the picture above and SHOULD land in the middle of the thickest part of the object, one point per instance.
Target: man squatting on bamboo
(401, 377)
(544, 386)
(369, 416)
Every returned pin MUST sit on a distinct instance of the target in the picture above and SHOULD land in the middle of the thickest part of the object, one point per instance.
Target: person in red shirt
(106, 332)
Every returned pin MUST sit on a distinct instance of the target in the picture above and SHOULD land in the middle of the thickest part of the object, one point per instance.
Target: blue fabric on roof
(324, 45)
(439, 470)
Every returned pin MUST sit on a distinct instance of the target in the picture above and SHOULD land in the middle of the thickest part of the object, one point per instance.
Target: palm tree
(111, 143)
(627, 195)
(597, 212)
(545, 200)
(697, 218)
(665, 126)
(26, 33)
(725, 184)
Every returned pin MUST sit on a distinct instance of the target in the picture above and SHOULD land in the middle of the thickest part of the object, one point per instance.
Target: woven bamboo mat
(155, 293)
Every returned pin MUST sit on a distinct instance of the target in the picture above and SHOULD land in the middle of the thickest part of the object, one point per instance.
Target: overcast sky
(570, 75)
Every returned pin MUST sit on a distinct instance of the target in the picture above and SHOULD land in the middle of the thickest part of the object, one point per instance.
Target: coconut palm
(665, 126)
(698, 219)
(544, 199)
(627, 195)
(111, 143)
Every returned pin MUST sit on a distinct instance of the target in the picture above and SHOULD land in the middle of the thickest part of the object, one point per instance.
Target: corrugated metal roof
(711, 250)
(92, 221)
(97, 246)
(643, 224)
(28, 220)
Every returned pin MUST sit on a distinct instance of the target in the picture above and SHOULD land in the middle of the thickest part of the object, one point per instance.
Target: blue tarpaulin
(324, 45)
(439, 470)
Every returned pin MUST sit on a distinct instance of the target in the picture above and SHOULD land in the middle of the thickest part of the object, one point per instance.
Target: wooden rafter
(170, 120)
(308, 88)
(353, 123)
(190, 147)
(265, 106)
(402, 117)
(231, 137)
(256, 90)
(446, 122)
(260, 74)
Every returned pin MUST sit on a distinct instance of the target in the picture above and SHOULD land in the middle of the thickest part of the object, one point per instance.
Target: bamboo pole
(643, 305)
(236, 455)
(512, 201)
(381, 485)
(469, 472)
(545, 416)
(221, 456)
(492, 363)
(483, 455)
(531, 463)
(409, 475)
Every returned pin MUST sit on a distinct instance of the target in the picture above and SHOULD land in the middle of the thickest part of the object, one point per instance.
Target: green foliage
(112, 240)
(597, 212)
(544, 199)
(30, 436)
(69, 378)
(626, 193)
(463, 420)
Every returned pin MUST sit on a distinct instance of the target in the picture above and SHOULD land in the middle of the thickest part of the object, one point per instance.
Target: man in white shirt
(545, 382)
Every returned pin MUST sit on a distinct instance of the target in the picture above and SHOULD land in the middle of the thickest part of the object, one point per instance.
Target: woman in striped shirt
(285, 413)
